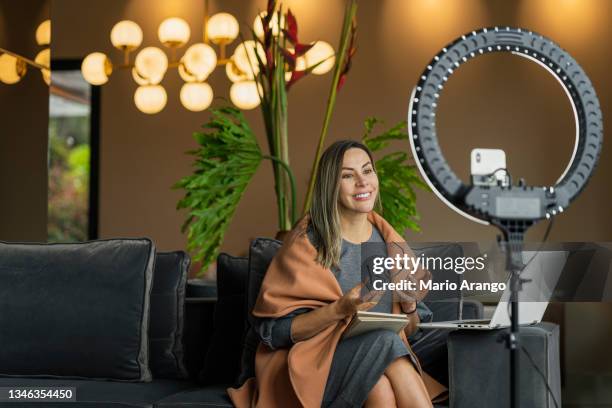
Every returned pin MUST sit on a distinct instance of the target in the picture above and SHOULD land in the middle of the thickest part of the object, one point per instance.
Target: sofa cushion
(91, 393)
(76, 310)
(261, 252)
(211, 396)
(222, 362)
(167, 315)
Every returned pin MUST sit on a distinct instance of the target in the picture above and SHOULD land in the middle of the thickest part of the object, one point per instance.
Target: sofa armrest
(478, 357)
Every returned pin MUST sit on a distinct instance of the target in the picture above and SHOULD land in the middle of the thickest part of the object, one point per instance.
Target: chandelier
(13, 66)
(196, 64)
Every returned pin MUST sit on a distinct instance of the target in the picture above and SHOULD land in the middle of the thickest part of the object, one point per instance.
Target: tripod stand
(512, 243)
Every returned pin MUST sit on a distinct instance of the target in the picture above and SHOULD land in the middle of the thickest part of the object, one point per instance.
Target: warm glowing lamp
(174, 32)
(199, 61)
(273, 23)
(126, 35)
(139, 79)
(150, 99)
(43, 33)
(185, 75)
(196, 96)
(245, 94)
(12, 69)
(234, 73)
(44, 58)
(321, 51)
(222, 28)
(245, 58)
(151, 63)
(96, 68)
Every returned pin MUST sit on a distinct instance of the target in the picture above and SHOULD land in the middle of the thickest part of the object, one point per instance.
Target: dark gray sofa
(217, 347)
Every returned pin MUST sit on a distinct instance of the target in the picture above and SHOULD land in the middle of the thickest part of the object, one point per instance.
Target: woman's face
(358, 182)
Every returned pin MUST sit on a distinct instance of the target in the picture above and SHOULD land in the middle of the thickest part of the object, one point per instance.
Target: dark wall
(24, 109)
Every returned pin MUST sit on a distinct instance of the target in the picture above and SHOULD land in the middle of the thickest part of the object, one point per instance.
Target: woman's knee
(381, 395)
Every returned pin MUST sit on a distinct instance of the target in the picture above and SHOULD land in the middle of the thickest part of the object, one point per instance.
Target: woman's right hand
(352, 301)
(306, 325)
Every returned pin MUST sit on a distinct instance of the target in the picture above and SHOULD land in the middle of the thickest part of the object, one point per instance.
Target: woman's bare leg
(381, 395)
(408, 387)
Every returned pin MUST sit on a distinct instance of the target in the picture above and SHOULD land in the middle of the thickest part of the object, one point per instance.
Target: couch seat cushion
(209, 396)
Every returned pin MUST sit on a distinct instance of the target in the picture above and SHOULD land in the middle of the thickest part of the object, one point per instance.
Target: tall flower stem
(349, 15)
(291, 179)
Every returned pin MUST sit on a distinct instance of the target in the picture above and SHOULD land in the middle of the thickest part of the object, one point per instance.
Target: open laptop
(543, 272)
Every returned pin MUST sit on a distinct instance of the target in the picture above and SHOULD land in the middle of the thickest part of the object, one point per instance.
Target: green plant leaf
(397, 177)
(225, 161)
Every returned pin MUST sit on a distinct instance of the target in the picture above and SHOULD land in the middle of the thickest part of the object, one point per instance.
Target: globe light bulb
(245, 94)
(44, 58)
(196, 96)
(222, 28)
(234, 73)
(185, 75)
(199, 61)
(126, 35)
(139, 79)
(43, 33)
(321, 51)
(151, 63)
(96, 68)
(245, 57)
(150, 99)
(174, 32)
(12, 69)
(300, 63)
(258, 24)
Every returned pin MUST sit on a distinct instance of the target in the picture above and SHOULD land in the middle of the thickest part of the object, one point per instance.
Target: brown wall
(494, 101)
(24, 113)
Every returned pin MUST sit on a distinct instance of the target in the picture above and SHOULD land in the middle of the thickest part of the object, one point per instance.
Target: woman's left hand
(410, 308)
(413, 324)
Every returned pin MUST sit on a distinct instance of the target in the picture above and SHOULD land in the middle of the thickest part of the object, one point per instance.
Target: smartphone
(487, 166)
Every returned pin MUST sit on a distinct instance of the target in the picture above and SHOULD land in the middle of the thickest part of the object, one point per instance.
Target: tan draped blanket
(296, 377)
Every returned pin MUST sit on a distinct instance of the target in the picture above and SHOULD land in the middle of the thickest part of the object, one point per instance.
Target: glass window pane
(69, 157)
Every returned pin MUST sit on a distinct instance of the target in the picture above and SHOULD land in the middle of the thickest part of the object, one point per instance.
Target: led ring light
(513, 208)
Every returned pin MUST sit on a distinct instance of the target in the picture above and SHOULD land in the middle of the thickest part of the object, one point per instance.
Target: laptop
(543, 273)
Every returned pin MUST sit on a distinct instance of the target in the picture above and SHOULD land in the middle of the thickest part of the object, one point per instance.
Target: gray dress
(358, 361)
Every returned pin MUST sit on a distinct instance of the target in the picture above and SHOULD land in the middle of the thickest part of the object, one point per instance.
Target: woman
(313, 288)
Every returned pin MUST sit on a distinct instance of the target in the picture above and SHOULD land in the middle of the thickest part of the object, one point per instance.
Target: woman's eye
(368, 171)
(347, 175)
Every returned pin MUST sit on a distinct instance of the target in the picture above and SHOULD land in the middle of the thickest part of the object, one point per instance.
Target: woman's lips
(362, 196)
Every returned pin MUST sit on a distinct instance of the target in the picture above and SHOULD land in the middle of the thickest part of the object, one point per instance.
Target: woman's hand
(306, 325)
(352, 301)
(413, 324)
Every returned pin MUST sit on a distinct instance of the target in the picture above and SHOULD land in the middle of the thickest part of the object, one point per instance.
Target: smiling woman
(321, 257)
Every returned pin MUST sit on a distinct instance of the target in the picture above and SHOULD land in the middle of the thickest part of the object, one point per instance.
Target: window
(73, 155)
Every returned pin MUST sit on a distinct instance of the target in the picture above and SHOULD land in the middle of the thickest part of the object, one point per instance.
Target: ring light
(508, 207)
(513, 209)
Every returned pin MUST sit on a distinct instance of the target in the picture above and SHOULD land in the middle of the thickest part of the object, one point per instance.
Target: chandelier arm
(24, 59)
